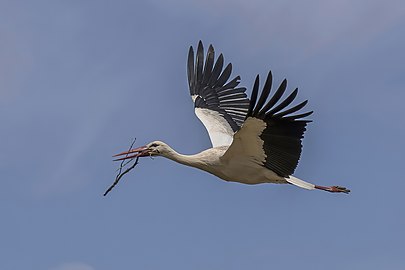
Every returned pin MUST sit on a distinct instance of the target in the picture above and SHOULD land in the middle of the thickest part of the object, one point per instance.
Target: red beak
(133, 153)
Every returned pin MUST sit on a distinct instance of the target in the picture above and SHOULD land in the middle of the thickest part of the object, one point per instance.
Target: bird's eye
(154, 145)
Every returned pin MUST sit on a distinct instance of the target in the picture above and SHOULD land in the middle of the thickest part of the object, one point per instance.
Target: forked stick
(120, 173)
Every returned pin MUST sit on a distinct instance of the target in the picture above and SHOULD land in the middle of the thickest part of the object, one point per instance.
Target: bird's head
(155, 148)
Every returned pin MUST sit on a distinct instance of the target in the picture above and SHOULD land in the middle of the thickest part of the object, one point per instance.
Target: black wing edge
(269, 111)
(205, 74)
(210, 82)
(284, 127)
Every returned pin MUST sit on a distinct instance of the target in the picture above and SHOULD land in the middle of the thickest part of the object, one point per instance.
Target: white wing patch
(219, 130)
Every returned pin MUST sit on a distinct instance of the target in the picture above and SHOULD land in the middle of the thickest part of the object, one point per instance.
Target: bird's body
(254, 141)
(242, 170)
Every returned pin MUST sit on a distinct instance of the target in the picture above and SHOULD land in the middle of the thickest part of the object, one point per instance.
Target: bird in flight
(253, 141)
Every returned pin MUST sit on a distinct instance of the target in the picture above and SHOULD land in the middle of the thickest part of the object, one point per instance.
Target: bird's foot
(334, 189)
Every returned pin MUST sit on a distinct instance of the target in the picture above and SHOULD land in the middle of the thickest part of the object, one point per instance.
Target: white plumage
(253, 141)
(219, 130)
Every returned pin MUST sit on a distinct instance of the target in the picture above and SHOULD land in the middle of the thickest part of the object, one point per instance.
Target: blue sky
(80, 79)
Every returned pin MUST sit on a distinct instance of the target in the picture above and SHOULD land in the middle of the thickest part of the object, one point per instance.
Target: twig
(122, 165)
(120, 175)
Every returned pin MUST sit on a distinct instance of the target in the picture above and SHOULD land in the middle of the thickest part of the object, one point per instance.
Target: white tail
(299, 183)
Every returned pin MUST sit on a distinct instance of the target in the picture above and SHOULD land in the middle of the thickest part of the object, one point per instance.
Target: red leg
(334, 189)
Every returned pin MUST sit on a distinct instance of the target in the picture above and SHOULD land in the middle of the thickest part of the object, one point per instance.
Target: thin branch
(122, 165)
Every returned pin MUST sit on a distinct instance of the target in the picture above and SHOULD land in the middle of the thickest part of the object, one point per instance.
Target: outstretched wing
(219, 103)
(271, 134)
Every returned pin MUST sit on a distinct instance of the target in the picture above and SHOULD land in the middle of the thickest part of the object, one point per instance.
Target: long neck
(188, 160)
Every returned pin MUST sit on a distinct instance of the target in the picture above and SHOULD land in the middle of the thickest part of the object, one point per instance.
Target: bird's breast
(245, 172)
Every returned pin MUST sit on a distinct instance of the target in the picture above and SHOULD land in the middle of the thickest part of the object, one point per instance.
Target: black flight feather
(282, 136)
(211, 87)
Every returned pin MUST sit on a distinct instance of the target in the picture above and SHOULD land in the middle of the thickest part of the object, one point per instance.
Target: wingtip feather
(253, 97)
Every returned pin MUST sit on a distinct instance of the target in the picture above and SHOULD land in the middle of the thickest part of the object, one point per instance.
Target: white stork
(253, 141)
